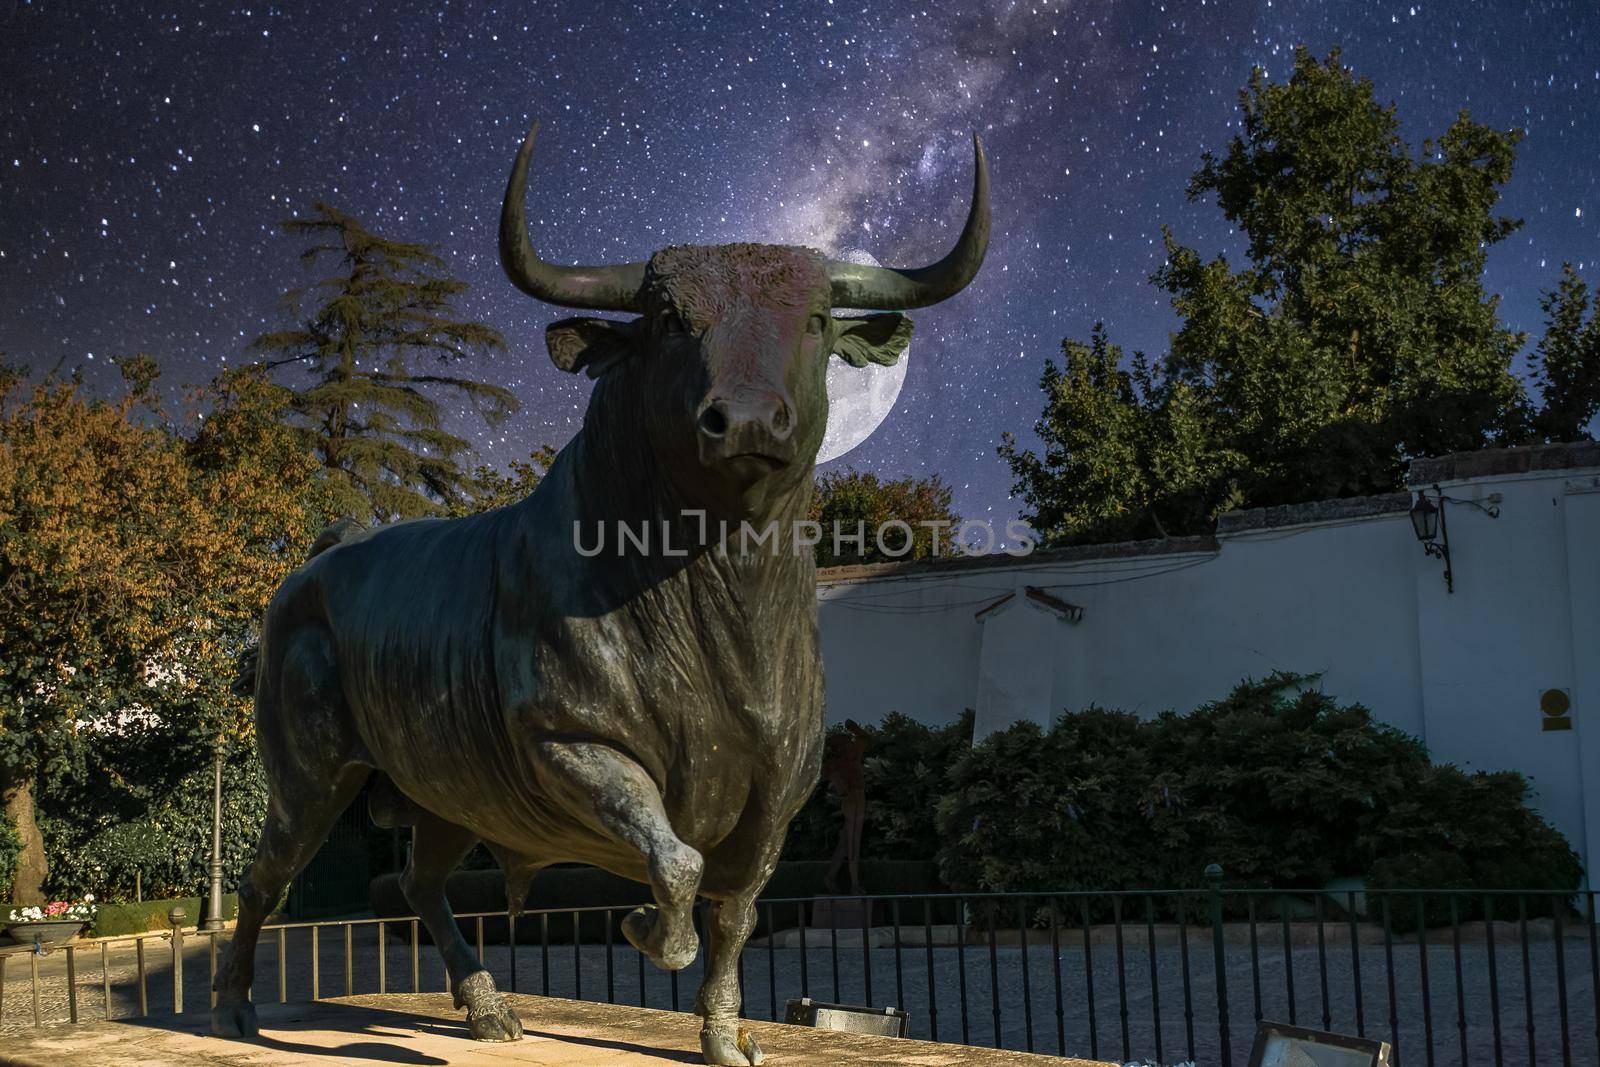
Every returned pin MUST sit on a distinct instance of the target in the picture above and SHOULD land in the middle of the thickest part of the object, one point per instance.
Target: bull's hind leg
(615, 797)
(436, 848)
(311, 778)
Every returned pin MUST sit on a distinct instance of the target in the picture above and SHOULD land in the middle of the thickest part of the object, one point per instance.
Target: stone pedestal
(424, 1028)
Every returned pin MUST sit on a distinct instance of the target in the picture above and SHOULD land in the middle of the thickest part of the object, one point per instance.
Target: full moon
(859, 398)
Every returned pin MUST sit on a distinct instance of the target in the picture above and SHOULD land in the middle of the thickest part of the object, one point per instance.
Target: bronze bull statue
(657, 714)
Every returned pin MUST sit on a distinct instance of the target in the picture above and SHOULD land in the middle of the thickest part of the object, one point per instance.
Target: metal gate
(335, 881)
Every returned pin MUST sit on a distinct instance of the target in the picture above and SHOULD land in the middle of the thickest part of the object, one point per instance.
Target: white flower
(88, 898)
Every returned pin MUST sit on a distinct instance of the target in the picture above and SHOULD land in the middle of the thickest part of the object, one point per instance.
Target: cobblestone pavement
(1529, 1006)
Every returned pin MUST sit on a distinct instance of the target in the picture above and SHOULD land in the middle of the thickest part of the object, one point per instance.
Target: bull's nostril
(713, 422)
(780, 419)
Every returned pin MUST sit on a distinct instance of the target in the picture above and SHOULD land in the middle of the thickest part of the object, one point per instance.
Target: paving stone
(424, 1028)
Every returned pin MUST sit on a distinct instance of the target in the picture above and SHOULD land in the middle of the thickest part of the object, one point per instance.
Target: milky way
(149, 152)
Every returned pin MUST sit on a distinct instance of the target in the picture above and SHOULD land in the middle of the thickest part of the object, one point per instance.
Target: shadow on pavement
(277, 1020)
(670, 1055)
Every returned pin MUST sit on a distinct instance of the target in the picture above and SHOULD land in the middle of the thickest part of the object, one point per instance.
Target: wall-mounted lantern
(1428, 522)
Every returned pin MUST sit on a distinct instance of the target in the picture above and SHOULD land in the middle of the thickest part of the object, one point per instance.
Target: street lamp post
(214, 911)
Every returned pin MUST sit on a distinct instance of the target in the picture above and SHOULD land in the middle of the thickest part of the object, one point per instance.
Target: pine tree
(362, 404)
(1567, 362)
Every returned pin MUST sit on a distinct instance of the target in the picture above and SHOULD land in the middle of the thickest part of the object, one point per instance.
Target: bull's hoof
(489, 1016)
(498, 1023)
(233, 1018)
(728, 1046)
(645, 931)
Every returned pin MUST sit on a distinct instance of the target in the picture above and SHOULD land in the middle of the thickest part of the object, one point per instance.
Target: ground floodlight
(884, 1022)
(1282, 1045)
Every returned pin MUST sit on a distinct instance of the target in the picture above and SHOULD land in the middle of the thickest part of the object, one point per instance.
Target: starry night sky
(149, 151)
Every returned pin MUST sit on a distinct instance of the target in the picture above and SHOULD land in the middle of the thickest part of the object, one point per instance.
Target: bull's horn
(602, 288)
(891, 289)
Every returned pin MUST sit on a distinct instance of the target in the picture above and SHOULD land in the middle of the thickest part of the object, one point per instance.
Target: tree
(852, 501)
(81, 576)
(257, 487)
(362, 404)
(1567, 362)
(1357, 336)
(132, 558)
(490, 488)
(1119, 443)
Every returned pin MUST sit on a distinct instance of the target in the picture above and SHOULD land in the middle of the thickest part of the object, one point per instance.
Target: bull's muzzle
(752, 430)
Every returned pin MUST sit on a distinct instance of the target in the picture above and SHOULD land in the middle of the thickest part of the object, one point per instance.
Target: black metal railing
(1447, 977)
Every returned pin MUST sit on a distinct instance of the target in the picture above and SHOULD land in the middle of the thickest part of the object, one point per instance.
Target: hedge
(112, 920)
(1278, 782)
(905, 774)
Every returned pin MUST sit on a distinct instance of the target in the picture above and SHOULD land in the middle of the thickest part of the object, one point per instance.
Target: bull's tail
(246, 666)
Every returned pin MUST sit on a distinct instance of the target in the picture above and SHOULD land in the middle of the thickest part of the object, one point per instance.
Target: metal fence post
(176, 917)
(1219, 952)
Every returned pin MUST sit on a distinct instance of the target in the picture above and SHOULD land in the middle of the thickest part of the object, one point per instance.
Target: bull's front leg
(722, 1040)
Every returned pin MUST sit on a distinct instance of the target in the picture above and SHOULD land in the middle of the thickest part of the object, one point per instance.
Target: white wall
(1344, 591)
(1582, 514)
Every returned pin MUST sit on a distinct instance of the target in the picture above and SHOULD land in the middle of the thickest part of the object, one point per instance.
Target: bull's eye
(671, 322)
(815, 325)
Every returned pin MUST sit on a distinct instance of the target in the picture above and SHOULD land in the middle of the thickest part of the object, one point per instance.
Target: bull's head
(731, 347)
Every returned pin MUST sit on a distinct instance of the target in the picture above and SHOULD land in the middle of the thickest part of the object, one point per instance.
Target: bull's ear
(591, 345)
(872, 338)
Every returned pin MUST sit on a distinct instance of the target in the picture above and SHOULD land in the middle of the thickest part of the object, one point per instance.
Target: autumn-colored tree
(256, 486)
(139, 796)
(858, 502)
(361, 399)
(86, 520)
(132, 559)
(1357, 335)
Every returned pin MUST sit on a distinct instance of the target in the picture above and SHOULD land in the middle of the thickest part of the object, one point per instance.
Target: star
(156, 149)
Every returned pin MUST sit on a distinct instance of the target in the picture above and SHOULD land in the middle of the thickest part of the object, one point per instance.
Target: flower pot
(44, 932)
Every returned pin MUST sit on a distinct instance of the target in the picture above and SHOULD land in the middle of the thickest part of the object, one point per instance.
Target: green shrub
(814, 832)
(1454, 830)
(140, 801)
(905, 772)
(906, 775)
(1029, 809)
(1278, 782)
(1270, 782)
(116, 920)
